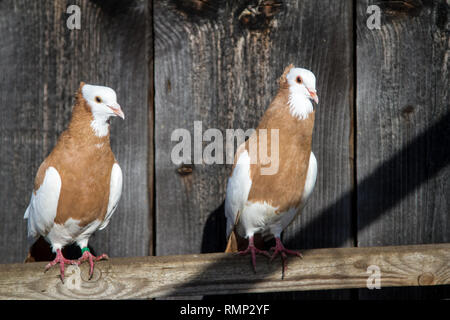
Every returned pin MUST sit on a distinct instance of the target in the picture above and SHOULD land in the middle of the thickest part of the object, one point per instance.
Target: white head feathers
(103, 103)
(302, 89)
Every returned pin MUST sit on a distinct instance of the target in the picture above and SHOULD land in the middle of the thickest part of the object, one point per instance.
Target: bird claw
(283, 253)
(279, 249)
(62, 261)
(87, 256)
(253, 251)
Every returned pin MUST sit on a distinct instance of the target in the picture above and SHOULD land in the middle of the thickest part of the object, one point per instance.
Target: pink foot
(88, 256)
(280, 249)
(61, 260)
(253, 250)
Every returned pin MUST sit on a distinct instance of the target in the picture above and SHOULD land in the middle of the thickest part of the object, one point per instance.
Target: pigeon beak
(117, 111)
(313, 95)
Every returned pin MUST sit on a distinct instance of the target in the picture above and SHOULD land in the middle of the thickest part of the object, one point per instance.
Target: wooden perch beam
(218, 273)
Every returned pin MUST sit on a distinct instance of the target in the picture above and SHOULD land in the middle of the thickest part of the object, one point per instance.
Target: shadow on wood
(214, 232)
(41, 251)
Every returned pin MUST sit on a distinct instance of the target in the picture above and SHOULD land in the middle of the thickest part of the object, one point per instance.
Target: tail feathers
(232, 245)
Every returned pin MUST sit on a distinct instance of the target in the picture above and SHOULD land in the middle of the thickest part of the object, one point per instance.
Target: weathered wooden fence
(381, 137)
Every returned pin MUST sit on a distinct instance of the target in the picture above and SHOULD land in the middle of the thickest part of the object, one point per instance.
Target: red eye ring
(299, 80)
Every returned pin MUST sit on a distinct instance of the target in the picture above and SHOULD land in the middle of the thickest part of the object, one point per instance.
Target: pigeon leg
(280, 249)
(61, 260)
(253, 251)
(88, 256)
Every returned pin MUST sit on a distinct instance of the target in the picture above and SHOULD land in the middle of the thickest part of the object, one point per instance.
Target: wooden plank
(42, 65)
(219, 273)
(403, 129)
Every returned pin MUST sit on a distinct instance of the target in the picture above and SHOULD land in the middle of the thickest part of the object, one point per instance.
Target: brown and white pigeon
(266, 204)
(78, 186)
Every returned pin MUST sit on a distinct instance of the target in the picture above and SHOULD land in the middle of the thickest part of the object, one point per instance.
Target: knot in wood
(407, 8)
(204, 9)
(185, 169)
(425, 279)
(407, 112)
(96, 274)
(360, 264)
(259, 15)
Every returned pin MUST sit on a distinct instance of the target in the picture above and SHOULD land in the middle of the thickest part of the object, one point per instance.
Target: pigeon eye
(299, 80)
(98, 99)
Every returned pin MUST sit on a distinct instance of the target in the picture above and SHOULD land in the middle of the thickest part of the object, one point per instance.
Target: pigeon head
(103, 102)
(302, 89)
(302, 82)
(103, 105)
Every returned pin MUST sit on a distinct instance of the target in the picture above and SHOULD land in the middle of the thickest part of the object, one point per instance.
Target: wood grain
(403, 129)
(42, 64)
(148, 277)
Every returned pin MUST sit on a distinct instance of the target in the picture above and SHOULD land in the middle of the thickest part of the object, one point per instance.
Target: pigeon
(78, 186)
(264, 204)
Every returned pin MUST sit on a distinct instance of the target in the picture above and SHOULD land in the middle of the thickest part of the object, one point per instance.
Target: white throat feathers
(300, 106)
(100, 125)
(302, 89)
